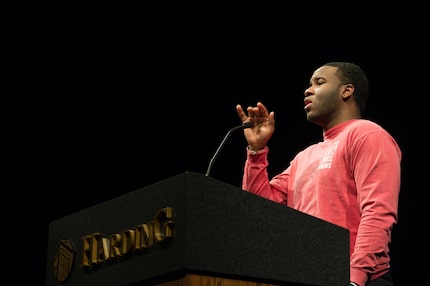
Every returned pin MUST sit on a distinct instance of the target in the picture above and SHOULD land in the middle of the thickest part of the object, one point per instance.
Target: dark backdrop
(104, 98)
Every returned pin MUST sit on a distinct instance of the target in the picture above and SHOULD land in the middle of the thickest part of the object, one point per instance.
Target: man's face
(323, 97)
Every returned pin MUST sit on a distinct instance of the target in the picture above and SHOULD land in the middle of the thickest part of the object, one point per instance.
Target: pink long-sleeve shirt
(351, 179)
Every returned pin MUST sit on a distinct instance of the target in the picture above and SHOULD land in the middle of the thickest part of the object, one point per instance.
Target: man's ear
(348, 91)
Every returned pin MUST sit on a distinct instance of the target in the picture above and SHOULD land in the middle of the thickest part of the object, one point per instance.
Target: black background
(104, 98)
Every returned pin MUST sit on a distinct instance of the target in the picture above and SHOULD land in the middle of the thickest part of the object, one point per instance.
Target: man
(351, 178)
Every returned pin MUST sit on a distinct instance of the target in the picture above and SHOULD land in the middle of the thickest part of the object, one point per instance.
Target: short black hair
(350, 73)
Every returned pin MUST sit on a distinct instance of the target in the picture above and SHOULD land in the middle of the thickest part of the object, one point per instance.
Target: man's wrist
(256, 150)
(353, 284)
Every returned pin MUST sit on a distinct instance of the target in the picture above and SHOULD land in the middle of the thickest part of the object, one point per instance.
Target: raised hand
(263, 125)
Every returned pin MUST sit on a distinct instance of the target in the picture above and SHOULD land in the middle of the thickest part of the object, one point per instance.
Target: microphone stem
(245, 125)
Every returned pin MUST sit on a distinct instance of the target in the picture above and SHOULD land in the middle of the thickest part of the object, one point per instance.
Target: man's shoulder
(365, 128)
(365, 125)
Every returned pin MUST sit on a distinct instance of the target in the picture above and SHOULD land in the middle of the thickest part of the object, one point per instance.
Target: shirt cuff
(358, 276)
(264, 150)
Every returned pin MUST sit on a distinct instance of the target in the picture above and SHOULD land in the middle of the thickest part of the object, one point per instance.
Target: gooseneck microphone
(243, 126)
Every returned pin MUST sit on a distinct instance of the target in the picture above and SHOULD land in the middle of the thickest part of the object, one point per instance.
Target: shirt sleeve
(256, 179)
(376, 166)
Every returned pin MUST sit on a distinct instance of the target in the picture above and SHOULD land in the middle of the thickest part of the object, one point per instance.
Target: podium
(192, 229)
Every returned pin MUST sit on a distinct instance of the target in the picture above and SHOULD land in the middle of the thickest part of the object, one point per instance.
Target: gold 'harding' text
(98, 249)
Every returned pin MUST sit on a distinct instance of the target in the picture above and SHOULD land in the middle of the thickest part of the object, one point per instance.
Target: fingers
(262, 109)
(259, 110)
(241, 113)
(272, 117)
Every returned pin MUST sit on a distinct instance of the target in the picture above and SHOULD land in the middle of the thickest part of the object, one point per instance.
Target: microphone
(243, 126)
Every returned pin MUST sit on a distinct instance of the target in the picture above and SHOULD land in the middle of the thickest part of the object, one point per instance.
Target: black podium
(191, 227)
